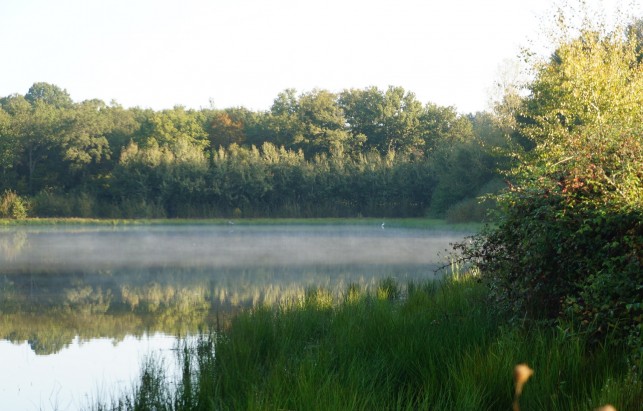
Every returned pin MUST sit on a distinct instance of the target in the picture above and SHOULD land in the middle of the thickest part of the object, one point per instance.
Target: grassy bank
(422, 223)
(427, 346)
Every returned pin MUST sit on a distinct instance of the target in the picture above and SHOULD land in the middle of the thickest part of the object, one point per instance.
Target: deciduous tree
(568, 243)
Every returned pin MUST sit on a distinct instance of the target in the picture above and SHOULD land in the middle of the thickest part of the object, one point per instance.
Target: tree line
(367, 152)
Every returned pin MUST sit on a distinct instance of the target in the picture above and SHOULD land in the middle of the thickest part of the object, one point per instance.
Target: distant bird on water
(383, 225)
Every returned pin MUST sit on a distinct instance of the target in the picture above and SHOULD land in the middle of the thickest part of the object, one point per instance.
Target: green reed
(435, 345)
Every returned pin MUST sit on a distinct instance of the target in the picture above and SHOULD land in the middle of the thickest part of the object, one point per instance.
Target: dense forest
(361, 152)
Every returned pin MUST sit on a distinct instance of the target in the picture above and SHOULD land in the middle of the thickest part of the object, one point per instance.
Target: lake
(81, 307)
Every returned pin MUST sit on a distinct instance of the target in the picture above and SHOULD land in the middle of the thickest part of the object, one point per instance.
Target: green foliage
(8, 148)
(568, 242)
(322, 124)
(83, 141)
(456, 183)
(168, 126)
(392, 120)
(49, 203)
(13, 206)
(458, 152)
(443, 125)
(388, 289)
(440, 348)
(318, 154)
(49, 94)
(225, 130)
(270, 181)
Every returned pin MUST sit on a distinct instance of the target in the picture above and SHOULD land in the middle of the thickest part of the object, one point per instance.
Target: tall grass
(424, 346)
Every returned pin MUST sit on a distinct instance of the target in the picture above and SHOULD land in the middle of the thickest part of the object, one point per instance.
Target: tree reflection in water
(65, 283)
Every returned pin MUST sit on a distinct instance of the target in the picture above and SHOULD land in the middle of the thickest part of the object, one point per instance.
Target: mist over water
(219, 246)
(64, 291)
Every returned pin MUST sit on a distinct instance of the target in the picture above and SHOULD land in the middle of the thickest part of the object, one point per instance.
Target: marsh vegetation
(422, 345)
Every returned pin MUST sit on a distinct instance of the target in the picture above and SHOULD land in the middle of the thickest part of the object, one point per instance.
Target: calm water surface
(82, 307)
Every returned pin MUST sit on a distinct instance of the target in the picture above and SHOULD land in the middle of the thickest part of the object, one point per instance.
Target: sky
(227, 53)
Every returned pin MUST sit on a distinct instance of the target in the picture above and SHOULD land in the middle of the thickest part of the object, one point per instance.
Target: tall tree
(363, 110)
(224, 130)
(635, 34)
(401, 121)
(283, 121)
(82, 139)
(585, 106)
(8, 149)
(443, 126)
(49, 94)
(123, 126)
(34, 128)
(321, 124)
(568, 243)
(386, 121)
(173, 129)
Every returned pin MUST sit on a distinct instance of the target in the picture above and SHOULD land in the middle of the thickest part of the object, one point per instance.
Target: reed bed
(429, 346)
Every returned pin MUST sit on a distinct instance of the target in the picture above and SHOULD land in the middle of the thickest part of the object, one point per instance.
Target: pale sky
(162, 53)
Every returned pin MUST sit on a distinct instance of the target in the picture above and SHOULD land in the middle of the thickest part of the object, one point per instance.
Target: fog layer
(219, 246)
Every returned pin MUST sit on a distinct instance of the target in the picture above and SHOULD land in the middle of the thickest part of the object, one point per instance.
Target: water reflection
(61, 283)
(81, 373)
(50, 308)
(57, 284)
(63, 288)
(11, 244)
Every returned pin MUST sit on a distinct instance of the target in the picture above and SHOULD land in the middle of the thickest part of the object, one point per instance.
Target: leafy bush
(545, 262)
(569, 241)
(13, 206)
(55, 203)
(49, 203)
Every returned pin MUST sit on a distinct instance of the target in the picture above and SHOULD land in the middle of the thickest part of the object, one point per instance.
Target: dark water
(80, 307)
